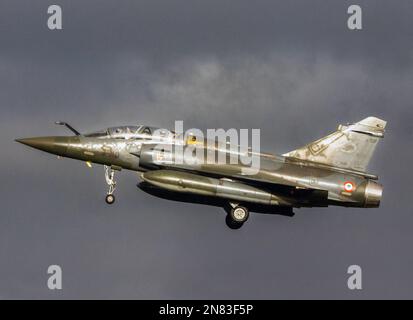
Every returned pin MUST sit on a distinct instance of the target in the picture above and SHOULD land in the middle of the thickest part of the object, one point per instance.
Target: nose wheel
(110, 181)
(110, 198)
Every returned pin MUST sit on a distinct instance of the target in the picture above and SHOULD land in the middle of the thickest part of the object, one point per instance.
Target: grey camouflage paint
(121, 148)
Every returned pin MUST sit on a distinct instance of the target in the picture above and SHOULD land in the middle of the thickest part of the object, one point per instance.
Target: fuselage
(279, 181)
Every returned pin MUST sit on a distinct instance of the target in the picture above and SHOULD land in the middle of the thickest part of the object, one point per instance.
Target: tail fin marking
(350, 147)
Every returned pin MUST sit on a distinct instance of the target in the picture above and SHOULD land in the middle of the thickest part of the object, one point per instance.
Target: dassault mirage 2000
(328, 171)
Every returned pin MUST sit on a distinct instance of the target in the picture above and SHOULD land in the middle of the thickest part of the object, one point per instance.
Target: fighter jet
(328, 171)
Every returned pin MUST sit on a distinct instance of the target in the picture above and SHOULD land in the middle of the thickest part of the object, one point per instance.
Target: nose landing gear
(109, 177)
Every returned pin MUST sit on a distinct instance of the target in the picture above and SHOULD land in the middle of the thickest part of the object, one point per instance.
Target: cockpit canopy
(125, 132)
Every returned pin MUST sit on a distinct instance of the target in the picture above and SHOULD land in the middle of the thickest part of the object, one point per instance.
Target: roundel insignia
(349, 186)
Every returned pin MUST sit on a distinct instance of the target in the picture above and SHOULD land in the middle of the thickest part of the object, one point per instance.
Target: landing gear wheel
(110, 198)
(232, 224)
(110, 181)
(239, 214)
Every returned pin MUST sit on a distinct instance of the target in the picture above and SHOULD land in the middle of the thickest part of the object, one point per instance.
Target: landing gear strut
(236, 216)
(109, 177)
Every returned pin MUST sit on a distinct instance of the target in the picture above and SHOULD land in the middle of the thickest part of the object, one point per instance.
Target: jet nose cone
(55, 145)
(41, 143)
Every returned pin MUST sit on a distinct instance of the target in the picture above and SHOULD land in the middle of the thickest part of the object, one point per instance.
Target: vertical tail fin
(350, 147)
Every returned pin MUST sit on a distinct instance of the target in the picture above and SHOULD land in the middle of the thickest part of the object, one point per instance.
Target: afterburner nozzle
(373, 194)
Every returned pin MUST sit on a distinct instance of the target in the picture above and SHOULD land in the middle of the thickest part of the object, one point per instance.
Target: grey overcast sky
(290, 68)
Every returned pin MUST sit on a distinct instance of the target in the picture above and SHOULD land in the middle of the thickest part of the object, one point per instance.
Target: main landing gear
(236, 216)
(109, 177)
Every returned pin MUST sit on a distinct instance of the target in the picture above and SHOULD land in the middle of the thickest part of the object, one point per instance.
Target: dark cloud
(290, 68)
